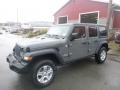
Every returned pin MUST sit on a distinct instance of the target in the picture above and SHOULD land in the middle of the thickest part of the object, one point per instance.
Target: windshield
(59, 30)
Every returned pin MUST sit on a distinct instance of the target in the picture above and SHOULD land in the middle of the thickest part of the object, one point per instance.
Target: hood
(41, 43)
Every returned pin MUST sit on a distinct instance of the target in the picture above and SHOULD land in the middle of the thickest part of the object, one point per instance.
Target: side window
(93, 32)
(102, 31)
(79, 32)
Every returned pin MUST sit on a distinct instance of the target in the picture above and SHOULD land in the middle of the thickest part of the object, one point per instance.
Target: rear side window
(103, 31)
(92, 31)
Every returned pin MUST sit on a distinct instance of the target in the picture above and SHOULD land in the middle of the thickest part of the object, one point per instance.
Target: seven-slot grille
(17, 50)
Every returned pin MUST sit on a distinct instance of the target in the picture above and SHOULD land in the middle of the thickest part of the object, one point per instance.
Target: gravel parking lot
(81, 75)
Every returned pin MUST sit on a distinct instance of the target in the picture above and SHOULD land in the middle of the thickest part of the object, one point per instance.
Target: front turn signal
(28, 58)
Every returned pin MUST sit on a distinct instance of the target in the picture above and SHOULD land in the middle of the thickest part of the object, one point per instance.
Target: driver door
(79, 46)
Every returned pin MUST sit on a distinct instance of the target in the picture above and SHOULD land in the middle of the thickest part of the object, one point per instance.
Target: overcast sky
(30, 10)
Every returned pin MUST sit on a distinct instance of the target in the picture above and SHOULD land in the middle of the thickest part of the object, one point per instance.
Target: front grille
(17, 50)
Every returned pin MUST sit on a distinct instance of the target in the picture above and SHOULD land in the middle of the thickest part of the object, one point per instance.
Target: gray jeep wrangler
(62, 44)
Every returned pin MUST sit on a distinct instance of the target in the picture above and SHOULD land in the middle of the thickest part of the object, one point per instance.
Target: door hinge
(89, 50)
(70, 54)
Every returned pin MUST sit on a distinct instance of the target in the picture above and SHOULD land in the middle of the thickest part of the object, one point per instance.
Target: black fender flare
(46, 52)
(100, 45)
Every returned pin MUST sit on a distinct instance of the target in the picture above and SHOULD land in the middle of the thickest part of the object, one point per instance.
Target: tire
(43, 73)
(101, 56)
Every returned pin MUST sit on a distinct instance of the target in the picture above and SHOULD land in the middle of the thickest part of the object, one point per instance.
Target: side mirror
(73, 36)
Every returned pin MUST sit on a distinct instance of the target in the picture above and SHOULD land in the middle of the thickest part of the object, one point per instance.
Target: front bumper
(16, 65)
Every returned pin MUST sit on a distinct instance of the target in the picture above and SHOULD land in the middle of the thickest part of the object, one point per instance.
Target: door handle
(84, 42)
(96, 41)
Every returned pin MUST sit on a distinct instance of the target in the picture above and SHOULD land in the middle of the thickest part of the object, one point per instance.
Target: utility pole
(110, 10)
(17, 15)
(17, 19)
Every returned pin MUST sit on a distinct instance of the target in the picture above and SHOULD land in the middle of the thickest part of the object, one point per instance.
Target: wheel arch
(51, 54)
(102, 45)
(105, 45)
(57, 60)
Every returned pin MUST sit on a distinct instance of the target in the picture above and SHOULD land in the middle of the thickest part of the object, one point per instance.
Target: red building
(87, 11)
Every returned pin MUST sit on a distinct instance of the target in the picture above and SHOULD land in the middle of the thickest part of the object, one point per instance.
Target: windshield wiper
(54, 36)
(57, 36)
(48, 35)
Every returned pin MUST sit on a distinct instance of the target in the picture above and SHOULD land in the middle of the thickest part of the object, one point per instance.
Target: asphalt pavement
(81, 75)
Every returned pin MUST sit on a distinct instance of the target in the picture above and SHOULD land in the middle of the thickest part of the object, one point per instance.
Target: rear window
(103, 31)
(92, 31)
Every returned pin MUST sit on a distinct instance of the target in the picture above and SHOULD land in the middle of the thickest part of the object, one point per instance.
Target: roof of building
(63, 6)
(116, 7)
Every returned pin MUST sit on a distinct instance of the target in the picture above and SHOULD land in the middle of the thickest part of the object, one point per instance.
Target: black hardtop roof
(76, 24)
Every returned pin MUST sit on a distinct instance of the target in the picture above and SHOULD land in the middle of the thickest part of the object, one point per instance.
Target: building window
(92, 31)
(62, 20)
(91, 17)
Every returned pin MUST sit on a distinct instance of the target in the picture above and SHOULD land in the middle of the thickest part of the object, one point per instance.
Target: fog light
(28, 58)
